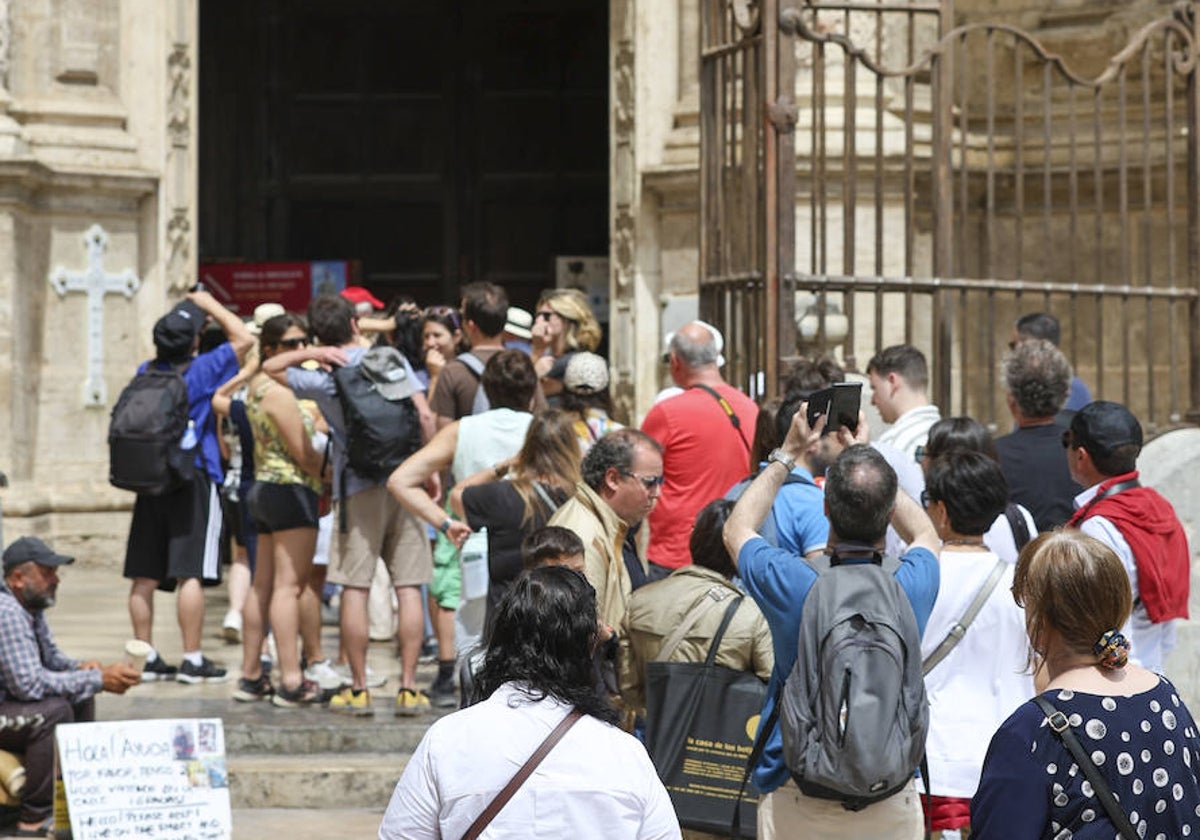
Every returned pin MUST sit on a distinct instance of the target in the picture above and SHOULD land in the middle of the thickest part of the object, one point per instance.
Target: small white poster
(161, 779)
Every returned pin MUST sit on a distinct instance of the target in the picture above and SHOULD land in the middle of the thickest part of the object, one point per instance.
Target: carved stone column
(623, 192)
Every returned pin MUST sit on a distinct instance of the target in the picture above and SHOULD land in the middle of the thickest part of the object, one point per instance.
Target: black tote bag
(700, 724)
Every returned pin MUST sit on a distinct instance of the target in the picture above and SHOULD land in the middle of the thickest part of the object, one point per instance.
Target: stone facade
(97, 131)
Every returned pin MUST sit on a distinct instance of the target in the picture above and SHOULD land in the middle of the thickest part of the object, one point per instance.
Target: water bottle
(188, 441)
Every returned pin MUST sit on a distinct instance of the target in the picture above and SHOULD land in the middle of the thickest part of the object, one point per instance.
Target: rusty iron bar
(841, 282)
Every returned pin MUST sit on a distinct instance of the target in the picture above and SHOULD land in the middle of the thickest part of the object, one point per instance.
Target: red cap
(358, 294)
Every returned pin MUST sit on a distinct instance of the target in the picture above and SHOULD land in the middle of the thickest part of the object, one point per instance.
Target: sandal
(307, 693)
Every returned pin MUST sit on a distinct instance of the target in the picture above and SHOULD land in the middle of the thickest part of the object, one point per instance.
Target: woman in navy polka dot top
(1132, 722)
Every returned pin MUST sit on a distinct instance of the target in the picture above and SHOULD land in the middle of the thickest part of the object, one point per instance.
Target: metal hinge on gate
(783, 114)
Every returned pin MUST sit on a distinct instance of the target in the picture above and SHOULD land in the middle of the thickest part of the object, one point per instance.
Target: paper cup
(136, 652)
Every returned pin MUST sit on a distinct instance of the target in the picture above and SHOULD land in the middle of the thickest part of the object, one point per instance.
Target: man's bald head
(694, 346)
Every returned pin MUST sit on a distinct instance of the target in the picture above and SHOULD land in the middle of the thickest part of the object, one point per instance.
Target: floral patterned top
(1146, 746)
(273, 464)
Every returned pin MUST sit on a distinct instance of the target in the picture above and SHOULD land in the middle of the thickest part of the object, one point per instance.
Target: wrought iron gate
(913, 181)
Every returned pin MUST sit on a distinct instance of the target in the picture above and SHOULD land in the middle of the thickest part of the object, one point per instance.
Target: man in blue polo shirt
(861, 499)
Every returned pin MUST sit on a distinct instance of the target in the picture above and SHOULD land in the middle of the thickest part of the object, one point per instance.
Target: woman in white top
(975, 687)
(597, 782)
(1006, 536)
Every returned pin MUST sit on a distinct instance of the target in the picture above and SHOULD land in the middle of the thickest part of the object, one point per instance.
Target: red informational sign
(243, 286)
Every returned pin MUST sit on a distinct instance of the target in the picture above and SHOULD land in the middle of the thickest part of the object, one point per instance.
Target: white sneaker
(373, 680)
(231, 627)
(323, 674)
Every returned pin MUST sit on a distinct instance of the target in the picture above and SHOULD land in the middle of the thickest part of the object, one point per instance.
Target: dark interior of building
(435, 142)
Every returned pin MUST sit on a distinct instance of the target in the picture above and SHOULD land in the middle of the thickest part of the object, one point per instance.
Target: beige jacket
(658, 608)
(602, 532)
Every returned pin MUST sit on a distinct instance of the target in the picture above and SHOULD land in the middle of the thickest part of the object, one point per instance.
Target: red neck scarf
(1148, 523)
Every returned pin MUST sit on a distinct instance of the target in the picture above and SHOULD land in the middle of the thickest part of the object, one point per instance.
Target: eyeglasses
(650, 482)
(293, 343)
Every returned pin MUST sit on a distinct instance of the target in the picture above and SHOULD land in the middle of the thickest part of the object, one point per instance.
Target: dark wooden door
(437, 142)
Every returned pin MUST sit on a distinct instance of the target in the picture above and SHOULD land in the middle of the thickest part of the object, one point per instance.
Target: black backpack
(380, 432)
(146, 434)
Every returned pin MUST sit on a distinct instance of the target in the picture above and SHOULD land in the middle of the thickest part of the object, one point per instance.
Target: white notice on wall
(161, 779)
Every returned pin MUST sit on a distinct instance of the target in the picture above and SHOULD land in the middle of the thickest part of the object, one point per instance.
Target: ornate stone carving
(179, 76)
(623, 84)
(5, 42)
(623, 246)
(96, 283)
(179, 239)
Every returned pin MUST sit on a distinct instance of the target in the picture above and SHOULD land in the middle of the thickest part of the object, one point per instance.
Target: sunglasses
(1068, 440)
(650, 482)
(544, 316)
(926, 498)
(444, 312)
(293, 343)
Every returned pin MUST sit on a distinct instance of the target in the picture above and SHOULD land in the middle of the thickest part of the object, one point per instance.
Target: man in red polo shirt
(706, 434)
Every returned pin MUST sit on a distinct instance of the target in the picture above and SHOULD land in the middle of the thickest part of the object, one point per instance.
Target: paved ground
(90, 621)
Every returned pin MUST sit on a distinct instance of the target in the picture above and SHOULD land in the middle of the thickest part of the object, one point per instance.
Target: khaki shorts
(787, 812)
(378, 526)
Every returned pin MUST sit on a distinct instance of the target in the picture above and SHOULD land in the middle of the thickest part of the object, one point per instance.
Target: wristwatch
(778, 456)
(445, 527)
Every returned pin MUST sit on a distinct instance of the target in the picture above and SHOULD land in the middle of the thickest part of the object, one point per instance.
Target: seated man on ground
(41, 687)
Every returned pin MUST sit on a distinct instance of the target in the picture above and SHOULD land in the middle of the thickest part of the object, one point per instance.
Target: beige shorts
(378, 526)
(787, 812)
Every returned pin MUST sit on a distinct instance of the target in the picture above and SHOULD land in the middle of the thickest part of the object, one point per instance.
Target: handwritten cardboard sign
(161, 779)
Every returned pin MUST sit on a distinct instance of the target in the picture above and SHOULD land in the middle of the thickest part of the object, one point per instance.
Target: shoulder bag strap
(544, 496)
(1018, 525)
(959, 629)
(497, 804)
(729, 412)
(710, 599)
(1062, 728)
(716, 642)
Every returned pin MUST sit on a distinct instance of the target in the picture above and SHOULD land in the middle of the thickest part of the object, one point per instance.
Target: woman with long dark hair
(283, 503)
(596, 783)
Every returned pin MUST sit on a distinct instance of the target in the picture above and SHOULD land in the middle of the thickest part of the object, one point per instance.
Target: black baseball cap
(1102, 426)
(175, 332)
(32, 550)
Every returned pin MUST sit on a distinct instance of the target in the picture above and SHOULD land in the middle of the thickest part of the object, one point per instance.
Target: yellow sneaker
(411, 702)
(346, 702)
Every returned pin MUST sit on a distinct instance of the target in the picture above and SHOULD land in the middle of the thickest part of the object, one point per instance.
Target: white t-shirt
(596, 784)
(983, 679)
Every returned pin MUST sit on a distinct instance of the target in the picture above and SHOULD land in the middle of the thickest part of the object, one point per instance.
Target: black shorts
(177, 536)
(281, 507)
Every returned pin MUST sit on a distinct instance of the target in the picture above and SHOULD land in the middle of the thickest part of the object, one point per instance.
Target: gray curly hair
(1038, 376)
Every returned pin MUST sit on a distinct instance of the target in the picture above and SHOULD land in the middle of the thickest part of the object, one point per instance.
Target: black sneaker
(249, 691)
(206, 672)
(158, 670)
(443, 694)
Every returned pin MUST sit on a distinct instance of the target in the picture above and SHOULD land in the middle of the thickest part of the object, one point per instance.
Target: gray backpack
(853, 711)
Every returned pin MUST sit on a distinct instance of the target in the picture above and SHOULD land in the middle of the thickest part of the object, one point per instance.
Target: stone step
(318, 781)
(381, 733)
(306, 823)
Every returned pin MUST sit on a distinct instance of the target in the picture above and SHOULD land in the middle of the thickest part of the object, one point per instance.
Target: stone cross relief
(97, 284)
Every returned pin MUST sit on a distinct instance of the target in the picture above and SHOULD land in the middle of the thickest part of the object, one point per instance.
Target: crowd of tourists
(937, 630)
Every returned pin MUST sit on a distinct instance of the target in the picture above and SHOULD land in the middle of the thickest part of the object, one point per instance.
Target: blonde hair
(583, 330)
(1072, 583)
(550, 453)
